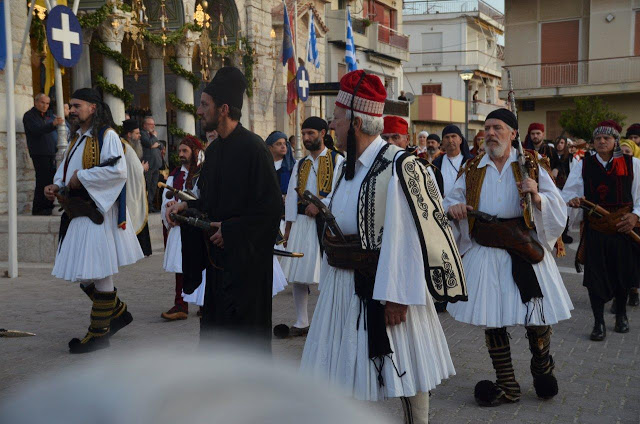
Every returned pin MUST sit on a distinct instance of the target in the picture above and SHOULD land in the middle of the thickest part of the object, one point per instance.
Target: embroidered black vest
(609, 191)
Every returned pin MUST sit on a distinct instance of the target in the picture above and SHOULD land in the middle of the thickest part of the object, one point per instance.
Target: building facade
(558, 50)
(448, 38)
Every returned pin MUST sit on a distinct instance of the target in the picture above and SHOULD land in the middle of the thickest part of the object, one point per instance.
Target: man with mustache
(456, 154)
(507, 286)
(90, 251)
(240, 193)
(181, 178)
(317, 172)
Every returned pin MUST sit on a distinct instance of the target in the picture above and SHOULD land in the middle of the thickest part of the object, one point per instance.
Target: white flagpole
(295, 58)
(11, 146)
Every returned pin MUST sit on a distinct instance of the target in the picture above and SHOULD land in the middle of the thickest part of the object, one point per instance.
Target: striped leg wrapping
(539, 345)
(498, 344)
(101, 311)
(120, 307)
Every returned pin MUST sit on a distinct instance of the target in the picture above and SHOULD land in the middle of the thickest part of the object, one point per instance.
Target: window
(432, 48)
(432, 89)
(636, 43)
(559, 53)
(553, 127)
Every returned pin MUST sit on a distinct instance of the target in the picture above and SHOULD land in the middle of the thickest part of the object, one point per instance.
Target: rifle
(325, 214)
(205, 224)
(522, 160)
(185, 195)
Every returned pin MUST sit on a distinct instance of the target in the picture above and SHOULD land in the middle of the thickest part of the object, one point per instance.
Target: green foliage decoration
(177, 69)
(38, 33)
(173, 37)
(118, 57)
(114, 90)
(177, 132)
(179, 104)
(588, 112)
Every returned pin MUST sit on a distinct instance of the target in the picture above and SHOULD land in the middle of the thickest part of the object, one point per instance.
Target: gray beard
(496, 152)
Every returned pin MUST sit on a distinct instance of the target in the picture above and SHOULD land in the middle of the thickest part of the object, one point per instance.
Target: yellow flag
(49, 77)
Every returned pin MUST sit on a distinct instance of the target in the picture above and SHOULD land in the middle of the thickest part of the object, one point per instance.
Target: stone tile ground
(599, 382)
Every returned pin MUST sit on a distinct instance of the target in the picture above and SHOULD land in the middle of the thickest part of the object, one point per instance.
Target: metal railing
(427, 7)
(392, 37)
(584, 72)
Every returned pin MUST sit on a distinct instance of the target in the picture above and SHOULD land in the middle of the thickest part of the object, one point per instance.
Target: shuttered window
(559, 53)
(636, 43)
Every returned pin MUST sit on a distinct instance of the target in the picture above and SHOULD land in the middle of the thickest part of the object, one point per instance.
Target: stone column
(157, 92)
(82, 70)
(184, 90)
(112, 38)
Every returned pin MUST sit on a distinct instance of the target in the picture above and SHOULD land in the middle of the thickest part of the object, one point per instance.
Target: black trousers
(45, 167)
(151, 179)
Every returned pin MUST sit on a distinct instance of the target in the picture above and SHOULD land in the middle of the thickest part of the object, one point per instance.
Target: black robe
(238, 186)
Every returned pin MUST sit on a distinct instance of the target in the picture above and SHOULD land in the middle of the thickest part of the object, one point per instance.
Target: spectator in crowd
(40, 128)
(151, 153)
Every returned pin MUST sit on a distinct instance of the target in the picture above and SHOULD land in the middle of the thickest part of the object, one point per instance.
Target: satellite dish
(410, 97)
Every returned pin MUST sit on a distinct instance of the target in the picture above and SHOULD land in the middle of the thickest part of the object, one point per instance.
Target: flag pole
(12, 272)
(295, 54)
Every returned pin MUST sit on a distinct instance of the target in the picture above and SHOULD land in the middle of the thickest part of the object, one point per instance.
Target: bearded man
(240, 193)
(509, 285)
(317, 172)
(456, 154)
(181, 178)
(375, 332)
(94, 238)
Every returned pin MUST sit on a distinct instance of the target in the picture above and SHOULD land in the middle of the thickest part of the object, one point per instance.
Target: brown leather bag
(511, 235)
(607, 224)
(77, 203)
(350, 254)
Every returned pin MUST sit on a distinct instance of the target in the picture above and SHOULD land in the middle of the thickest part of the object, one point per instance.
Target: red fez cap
(395, 125)
(193, 143)
(370, 96)
(535, 126)
(610, 123)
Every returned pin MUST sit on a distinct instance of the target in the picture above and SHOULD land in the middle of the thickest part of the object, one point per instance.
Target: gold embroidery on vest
(324, 178)
(474, 177)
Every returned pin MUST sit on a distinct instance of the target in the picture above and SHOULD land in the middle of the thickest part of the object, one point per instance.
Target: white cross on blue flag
(313, 55)
(350, 53)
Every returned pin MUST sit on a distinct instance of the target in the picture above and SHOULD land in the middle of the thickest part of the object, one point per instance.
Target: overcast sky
(498, 4)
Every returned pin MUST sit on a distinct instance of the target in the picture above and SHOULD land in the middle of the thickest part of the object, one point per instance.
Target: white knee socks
(104, 284)
(416, 408)
(301, 300)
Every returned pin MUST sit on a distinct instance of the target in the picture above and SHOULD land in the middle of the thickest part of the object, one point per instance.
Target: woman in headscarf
(630, 148)
(282, 158)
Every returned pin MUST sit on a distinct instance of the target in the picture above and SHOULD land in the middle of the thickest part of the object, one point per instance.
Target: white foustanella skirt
(337, 352)
(90, 251)
(197, 297)
(494, 299)
(303, 238)
(173, 252)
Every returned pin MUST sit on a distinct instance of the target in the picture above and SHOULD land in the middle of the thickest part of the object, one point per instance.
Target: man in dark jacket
(40, 127)
(151, 153)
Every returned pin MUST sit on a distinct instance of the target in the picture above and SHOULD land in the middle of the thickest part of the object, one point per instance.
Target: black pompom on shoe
(94, 343)
(546, 386)
(281, 331)
(487, 393)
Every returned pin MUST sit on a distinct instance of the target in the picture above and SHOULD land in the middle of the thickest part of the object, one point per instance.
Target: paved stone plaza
(599, 382)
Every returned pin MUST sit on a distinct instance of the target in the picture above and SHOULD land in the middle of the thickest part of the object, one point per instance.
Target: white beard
(496, 152)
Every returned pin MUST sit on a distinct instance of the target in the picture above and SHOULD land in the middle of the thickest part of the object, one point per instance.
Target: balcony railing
(392, 37)
(584, 72)
(426, 7)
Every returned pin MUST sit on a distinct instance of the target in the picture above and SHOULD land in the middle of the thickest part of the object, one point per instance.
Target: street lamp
(466, 77)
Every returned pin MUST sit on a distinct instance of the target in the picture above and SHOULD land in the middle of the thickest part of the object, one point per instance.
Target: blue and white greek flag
(313, 55)
(350, 53)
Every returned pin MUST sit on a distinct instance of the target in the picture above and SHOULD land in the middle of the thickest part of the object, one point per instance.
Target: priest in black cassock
(239, 192)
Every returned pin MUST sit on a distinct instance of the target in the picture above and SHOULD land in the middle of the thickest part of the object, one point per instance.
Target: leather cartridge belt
(607, 224)
(77, 203)
(511, 235)
(349, 254)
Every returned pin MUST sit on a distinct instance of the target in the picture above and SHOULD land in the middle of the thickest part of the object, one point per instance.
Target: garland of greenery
(37, 32)
(114, 90)
(248, 62)
(173, 37)
(177, 132)
(95, 19)
(177, 69)
(186, 107)
(118, 57)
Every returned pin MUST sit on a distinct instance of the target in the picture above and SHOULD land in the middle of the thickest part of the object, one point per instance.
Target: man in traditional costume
(610, 257)
(239, 192)
(181, 178)
(456, 154)
(283, 159)
(535, 142)
(375, 332)
(137, 204)
(317, 172)
(95, 239)
(511, 273)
